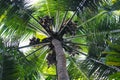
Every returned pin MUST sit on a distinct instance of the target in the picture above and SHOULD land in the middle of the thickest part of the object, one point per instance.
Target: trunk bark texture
(61, 60)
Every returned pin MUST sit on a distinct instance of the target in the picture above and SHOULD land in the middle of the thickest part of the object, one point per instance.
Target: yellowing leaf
(51, 70)
(41, 36)
(114, 1)
(113, 63)
(3, 16)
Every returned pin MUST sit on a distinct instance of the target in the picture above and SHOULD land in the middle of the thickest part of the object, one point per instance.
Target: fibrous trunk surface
(61, 60)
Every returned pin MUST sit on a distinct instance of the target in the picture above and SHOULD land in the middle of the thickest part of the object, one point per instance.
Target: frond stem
(35, 51)
(75, 50)
(78, 8)
(36, 28)
(42, 43)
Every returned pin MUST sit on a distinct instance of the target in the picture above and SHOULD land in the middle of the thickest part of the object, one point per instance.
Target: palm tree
(97, 22)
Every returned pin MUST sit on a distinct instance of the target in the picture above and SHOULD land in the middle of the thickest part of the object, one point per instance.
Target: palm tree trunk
(61, 60)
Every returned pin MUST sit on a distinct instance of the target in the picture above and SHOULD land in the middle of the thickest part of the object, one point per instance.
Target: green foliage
(116, 5)
(113, 54)
(13, 20)
(115, 76)
(12, 70)
(95, 69)
(74, 68)
(115, 47)
(10, 66)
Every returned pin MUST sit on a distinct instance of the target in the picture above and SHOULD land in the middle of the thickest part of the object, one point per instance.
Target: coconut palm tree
(70, 29)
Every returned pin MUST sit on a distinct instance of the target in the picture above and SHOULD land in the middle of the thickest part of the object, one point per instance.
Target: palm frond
(73, 67)
(97, 70)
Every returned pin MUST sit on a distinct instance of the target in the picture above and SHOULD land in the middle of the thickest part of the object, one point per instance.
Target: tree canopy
(88, 32)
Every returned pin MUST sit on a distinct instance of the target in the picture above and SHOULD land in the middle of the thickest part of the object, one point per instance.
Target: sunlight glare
(30, 2)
